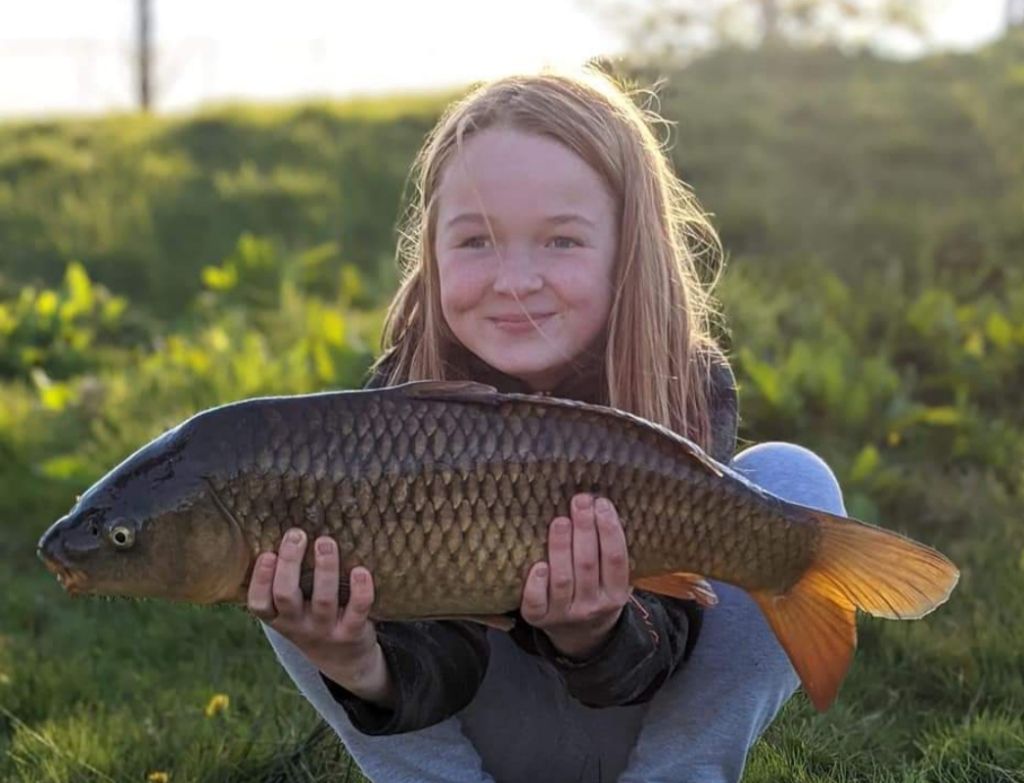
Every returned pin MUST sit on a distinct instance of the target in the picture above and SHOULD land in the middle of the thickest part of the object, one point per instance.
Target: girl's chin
(539, 375)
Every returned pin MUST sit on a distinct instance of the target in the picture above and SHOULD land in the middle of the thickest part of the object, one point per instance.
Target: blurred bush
(252, 331)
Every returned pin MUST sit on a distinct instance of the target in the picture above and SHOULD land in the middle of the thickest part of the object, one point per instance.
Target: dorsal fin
(468, 391)
(481, 393)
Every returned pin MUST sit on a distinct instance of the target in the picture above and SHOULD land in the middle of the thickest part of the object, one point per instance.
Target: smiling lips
(520, 322)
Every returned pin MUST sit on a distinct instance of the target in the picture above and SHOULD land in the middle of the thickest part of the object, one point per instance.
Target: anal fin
(818, 633)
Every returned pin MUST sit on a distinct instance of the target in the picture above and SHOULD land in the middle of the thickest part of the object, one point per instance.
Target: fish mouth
(71, 579)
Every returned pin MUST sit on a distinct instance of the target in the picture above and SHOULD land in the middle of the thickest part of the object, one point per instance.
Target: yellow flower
(217, 704)
(158, 777)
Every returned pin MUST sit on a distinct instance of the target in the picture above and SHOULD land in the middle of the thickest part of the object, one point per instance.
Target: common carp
(445, 490)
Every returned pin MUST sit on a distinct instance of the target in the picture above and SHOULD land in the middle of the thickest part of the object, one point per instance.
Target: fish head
(152, 528)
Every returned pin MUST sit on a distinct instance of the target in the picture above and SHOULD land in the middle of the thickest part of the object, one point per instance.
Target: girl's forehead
(508, 151)
(517, 169)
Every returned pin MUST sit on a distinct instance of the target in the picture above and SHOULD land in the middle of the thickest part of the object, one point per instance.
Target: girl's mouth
(521, 323)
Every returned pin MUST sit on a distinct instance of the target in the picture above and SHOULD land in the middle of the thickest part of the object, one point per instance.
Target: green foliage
(58, 333)
(875, 304)
(146, 203)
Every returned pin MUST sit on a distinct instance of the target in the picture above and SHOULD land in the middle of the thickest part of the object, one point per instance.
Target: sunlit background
(69, 56)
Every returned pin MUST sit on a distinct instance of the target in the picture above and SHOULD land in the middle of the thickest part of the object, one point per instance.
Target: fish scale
(493, 477)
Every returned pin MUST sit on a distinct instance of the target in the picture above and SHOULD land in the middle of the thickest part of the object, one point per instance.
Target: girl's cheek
(583, 285)
(463, 285)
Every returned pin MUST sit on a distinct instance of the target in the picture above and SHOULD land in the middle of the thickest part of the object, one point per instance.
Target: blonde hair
(657, 342)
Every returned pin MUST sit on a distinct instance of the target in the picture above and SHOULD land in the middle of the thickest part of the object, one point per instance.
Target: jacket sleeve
(436, 668)
(723, 401)
(653, 636)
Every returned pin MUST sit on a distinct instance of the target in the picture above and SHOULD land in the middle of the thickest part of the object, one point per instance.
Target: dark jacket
(437, 666)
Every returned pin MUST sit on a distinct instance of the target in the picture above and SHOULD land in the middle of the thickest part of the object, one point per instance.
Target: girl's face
(532, 301)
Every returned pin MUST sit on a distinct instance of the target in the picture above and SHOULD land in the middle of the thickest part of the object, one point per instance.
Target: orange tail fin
(857, 566)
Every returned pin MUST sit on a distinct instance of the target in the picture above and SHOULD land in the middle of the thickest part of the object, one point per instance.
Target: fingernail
(294, 536)
(604, 506)
(562, 525)
(325, 547)
(583, 502)
(541, 572)
(268, 560)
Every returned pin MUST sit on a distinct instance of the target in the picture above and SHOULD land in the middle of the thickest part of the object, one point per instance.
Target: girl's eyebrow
(476, 217)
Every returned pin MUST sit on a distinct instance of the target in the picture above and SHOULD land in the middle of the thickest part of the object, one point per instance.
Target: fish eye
(122, 536)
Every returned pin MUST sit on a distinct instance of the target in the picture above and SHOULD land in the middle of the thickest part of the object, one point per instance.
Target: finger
(614, 553)
(324, 602)
(360, 599)
(585, 555)
(287, 596)
(534, 606)
(559, 582)
(260, 601)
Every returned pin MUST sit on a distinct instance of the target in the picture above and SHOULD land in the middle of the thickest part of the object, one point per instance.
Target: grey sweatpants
(523, 726)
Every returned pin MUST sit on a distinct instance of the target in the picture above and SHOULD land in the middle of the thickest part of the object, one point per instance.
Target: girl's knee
(792, 472)
(775, 452)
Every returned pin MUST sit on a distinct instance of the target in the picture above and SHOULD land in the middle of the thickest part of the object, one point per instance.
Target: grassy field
(874, 305)
(96, 690)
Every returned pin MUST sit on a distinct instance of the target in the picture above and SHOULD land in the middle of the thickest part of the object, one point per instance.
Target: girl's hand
(577, 596)
(341, 642)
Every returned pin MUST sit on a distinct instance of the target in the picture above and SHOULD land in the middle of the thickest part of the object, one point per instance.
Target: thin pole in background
(145, 50)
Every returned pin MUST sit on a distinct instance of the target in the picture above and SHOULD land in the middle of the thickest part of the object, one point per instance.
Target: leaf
(332, 326)
(7, 321)
(80, 294)
(999, 330)
(219, 278)
(974, 345)
(113, 309)
(46, 303)
(941, 416)
(66, 466)
(865, 464)
(352, 287)
(764, 376)
(325, 370)
(56, 396)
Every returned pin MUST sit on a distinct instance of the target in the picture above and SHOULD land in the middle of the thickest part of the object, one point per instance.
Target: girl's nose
(517, 276)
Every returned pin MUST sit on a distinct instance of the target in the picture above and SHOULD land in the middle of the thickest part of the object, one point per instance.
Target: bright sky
(70, 56)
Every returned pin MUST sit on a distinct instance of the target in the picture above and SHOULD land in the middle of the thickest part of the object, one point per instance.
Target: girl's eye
(476, 243)
(567, 239)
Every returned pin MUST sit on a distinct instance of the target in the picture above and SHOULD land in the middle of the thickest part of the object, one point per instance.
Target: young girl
(552, 250)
